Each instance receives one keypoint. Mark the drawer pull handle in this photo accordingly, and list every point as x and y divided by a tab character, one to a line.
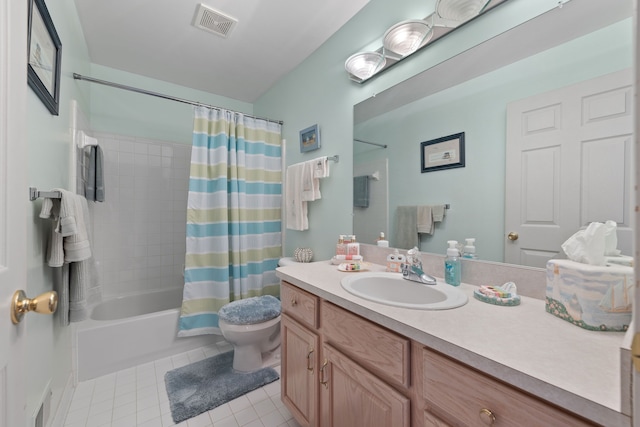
309	368
293	301
487	416
324	365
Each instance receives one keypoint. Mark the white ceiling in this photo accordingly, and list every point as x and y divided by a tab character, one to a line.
155	38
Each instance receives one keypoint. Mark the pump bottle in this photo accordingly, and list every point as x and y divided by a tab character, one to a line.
469	250
452	264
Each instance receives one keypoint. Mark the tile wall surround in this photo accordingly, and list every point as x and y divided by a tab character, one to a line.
140	228
531	282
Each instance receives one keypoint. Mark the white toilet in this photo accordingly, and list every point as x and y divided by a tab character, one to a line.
252	326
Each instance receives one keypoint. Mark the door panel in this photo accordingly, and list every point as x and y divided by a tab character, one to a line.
13	203
568	164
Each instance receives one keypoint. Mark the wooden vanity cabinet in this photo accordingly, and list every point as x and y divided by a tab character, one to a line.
341	370
300	354
462	396
335	387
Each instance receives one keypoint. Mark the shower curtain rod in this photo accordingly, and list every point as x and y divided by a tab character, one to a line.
371	143
77	76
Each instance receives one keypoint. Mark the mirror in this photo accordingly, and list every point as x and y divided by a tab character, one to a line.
470	93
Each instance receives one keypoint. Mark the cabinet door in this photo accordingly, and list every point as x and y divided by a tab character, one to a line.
351	396
300	348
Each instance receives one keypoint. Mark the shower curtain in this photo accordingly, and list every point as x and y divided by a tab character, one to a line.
234	222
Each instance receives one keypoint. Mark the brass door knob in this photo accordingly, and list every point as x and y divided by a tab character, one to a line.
45	303
513	236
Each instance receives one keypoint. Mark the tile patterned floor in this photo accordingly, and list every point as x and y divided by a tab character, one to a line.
137	397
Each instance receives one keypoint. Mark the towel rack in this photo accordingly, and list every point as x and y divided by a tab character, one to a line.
34	194
335	158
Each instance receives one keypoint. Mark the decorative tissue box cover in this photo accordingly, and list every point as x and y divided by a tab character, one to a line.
598	298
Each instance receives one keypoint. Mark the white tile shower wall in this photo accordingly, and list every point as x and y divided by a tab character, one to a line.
140	228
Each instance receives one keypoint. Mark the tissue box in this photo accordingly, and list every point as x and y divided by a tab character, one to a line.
598	298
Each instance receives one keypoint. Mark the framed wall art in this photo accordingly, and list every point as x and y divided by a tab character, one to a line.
443	153
309	139
45	55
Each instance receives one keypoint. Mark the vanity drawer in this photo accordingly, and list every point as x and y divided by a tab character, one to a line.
299	304
378	349
466	397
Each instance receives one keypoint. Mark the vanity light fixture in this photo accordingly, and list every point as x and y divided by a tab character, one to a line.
406	37
363	65
459	11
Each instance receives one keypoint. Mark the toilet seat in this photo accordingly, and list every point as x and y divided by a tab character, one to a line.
250	311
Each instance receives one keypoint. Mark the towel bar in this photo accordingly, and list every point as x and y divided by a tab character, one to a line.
34	194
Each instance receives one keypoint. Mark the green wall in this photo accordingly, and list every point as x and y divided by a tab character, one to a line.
319	91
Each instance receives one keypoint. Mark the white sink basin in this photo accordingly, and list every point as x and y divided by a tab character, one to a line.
392	289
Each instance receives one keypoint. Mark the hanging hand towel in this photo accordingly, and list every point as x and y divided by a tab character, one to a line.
296	208
361	191
321	167
94	175
310	184
427	216
406	235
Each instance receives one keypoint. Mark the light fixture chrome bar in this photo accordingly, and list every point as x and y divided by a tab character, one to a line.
77	76
371	143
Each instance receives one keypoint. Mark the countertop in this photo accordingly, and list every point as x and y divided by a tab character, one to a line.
525	346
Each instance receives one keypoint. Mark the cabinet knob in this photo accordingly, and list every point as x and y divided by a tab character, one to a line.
293	301
487	416
513	236
309	368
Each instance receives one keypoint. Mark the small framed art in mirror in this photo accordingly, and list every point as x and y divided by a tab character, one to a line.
45	54
443	153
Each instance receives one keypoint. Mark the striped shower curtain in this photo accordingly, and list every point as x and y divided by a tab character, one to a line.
234	236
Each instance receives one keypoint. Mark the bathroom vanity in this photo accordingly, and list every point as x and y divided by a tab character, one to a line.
347	361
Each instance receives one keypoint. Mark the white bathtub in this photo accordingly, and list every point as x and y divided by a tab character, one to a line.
125	332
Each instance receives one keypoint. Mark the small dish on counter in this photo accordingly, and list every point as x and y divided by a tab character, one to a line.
353	267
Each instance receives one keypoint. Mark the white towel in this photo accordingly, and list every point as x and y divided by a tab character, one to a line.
296	208
310	184
321	167
69	239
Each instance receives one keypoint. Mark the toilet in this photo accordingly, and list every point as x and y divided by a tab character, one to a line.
252	326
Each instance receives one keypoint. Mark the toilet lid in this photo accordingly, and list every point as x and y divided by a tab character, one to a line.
251	310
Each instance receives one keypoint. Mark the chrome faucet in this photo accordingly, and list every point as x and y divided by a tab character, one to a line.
415	274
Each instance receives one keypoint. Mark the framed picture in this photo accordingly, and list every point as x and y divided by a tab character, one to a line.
443	153
309	139
45	54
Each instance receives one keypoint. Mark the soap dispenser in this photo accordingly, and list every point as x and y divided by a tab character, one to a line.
452	264
469	250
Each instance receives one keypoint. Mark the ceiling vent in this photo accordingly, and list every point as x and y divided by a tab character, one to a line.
211	20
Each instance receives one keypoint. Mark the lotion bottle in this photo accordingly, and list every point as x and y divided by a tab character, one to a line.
382	241
452	264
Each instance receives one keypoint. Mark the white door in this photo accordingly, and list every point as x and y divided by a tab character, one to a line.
13	203
569	163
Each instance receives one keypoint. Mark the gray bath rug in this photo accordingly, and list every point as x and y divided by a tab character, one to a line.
209	383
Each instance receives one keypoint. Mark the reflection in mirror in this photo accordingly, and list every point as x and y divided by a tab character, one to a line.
471	93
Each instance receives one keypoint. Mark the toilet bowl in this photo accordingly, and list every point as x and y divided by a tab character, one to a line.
252	327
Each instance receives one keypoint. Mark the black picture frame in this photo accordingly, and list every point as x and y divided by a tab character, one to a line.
309	139
442	153
44	56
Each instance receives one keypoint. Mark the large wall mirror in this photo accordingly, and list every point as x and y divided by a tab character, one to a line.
471	93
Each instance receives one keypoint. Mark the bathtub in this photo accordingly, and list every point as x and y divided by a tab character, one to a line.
127	331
